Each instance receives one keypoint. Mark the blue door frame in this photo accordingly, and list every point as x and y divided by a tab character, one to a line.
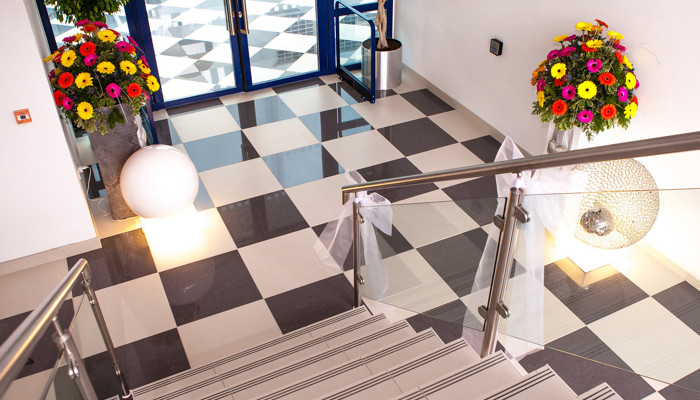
137	20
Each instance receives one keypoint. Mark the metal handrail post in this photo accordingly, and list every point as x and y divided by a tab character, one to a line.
126	392
76	368
356	221
502	270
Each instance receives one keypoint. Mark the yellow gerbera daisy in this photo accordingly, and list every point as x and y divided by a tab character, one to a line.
51	56
78	36
85	110
540	98
560	38
584	26
627	62
595	43
106	36
558	70
616	35
83	80
630	110
68	58
143	67
152	83
587	90
105	67
630	80
128	67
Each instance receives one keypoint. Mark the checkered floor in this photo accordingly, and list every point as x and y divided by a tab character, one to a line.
193	49
271	167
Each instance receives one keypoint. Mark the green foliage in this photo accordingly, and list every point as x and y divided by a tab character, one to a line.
71	11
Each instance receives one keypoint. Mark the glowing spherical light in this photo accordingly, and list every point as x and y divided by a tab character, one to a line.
159	181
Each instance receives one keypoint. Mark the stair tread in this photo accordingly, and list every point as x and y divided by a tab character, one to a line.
539	384
491	372
600	392
284	342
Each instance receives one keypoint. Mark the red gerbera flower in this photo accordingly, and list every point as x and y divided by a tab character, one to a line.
606	78
57	59
65	80
559	107
87	48
133	90
58	97
608	111
601	23
117	34
559	82
584	47
89	28
619	57
634	100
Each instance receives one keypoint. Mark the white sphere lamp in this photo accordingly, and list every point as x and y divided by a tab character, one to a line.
159	181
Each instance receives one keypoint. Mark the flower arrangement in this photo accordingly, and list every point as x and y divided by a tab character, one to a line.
97	70
588	82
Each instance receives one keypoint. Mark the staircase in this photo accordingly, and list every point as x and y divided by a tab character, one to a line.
356	355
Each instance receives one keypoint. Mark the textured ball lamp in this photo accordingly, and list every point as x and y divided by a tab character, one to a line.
159	181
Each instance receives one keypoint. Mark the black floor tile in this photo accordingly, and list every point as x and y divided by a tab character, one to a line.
303	165
45	353
582	375
484	147
261	218
311	303
347	262
336	123
391	245
313	82
122	258
144	361
198	106
416	136
595	301
690	381
477	198
456	259
347	92
395	169
259	112
208	287
426	102
585	343
163	132
447	331
683	300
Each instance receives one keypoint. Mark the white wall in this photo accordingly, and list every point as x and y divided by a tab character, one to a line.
42	206
447	42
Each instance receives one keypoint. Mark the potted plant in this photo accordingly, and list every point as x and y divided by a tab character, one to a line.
387	56
92	10
100	83
587	83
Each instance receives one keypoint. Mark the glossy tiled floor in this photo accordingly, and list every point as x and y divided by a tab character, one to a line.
271	167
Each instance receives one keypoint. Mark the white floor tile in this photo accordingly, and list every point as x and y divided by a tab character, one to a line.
104	224
243	97
271	24
306	63
30	387
387	111
136	309
362	150
651	340
240	181
452	156
171	66
328	79
646	271
459	125
162	43
198	16
292	42
319	201
221	53
16	299
261	74
203	124
280	136
211	33
86	333
203	237
312	100
176	89
275	272
228	332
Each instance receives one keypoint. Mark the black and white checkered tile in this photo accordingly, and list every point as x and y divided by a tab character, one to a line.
271	166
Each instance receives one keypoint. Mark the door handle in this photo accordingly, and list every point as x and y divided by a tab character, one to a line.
244	12
230	23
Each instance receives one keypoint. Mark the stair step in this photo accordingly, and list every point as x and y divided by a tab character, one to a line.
207	373
600	392
468	382
542	383
358	369
400	334
408	375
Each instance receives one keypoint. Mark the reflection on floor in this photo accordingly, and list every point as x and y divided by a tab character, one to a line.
271	166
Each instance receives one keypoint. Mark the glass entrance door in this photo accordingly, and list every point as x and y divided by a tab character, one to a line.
205	48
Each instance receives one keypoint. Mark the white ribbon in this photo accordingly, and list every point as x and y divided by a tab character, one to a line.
336	239
545	205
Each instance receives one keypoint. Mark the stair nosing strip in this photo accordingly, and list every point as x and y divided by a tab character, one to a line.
523	385
372	381
398	346
469	371
426	358
369	321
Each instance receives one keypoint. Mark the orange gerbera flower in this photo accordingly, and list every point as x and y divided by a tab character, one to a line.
608	111
559	107
584	47
133	90
606	78
619	57
601	23
634	100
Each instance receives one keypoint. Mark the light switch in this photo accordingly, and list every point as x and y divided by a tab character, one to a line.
22	116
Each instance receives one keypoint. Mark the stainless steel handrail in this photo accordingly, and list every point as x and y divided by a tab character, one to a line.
639	148
15	351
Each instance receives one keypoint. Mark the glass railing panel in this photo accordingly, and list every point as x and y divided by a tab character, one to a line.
430	263
353	31
634	307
